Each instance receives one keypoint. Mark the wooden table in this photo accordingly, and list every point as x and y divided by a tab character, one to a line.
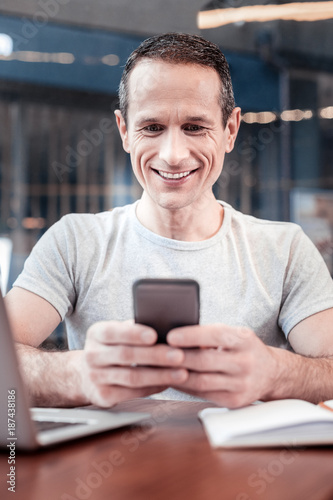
168	458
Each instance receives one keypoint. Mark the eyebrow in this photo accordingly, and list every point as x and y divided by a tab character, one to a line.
200	119
147	119
152	119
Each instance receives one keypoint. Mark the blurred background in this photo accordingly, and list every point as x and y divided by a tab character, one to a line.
60	65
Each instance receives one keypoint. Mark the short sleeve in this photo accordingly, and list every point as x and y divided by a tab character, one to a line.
49	269
308	286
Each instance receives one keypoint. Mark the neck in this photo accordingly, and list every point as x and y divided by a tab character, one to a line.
184	224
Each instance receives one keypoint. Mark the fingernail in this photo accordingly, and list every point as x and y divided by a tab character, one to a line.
174	356
178	375
148	336
175	337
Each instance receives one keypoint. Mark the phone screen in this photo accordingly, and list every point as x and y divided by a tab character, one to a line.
164	304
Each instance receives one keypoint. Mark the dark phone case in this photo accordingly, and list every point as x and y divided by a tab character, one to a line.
164	304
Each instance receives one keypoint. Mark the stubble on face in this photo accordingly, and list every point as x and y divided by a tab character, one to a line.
174	126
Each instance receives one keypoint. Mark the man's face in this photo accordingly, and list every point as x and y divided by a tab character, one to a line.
174	131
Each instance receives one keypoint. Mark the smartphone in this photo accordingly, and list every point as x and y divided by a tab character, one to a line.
164	304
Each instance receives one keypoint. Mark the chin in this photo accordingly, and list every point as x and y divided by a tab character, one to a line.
173	204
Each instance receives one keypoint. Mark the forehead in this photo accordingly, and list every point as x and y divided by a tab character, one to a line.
155	82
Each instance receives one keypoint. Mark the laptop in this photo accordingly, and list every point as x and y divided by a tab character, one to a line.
27	428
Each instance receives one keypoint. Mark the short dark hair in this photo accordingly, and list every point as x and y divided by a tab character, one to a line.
181	48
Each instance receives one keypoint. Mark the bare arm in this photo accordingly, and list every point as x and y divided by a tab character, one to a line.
237	368
309	374
112	367
51	378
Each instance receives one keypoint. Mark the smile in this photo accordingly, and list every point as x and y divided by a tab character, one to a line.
168	175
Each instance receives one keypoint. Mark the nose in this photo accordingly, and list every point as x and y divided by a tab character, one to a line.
173	147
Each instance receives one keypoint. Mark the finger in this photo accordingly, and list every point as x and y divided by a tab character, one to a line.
121	332
215	335
106	396
226	399
138	377
207	382
212	359
124	355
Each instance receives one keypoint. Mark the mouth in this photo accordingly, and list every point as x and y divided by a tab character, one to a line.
175	176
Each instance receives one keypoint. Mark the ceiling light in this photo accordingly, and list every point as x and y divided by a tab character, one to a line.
39	57
261	117
326	112
296	115
6	44
33	222
110	60
305	11
288	115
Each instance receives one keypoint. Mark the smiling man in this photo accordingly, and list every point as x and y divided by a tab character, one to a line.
175	135
267	297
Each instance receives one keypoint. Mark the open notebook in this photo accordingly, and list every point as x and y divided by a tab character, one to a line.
286	422
22	427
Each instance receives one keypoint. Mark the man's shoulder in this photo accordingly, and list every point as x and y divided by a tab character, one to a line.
104	219
252	221
263	229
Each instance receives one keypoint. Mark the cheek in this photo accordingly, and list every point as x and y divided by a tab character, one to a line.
141	159
213	158
143	153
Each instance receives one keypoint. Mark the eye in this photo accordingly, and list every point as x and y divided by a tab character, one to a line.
193	128
153	128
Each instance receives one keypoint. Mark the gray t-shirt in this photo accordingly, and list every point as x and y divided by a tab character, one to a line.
261	274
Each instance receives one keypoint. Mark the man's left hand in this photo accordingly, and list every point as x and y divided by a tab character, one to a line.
232	366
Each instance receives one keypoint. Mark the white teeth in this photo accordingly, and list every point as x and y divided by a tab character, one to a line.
168	175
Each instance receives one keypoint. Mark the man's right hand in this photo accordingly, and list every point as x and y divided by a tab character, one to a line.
103	373
121	361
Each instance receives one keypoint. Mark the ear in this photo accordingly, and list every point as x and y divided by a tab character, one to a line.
232	128
122	129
